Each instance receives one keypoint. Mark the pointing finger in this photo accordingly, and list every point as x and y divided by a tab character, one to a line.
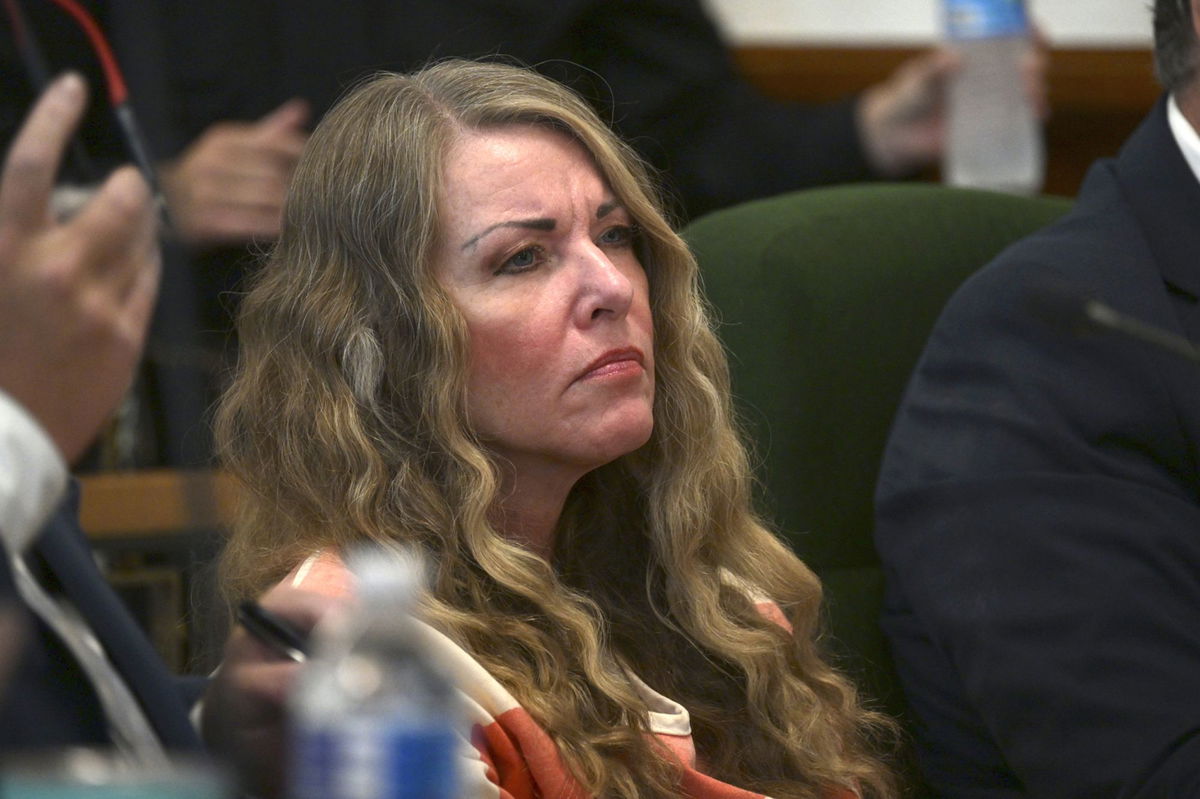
32	163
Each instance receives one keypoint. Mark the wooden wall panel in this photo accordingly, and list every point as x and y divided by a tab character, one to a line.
1097	97
155	502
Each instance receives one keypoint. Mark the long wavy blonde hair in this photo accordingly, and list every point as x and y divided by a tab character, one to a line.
346	421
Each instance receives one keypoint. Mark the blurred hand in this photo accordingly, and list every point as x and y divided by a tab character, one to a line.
75	297
244	714
902	120
228	186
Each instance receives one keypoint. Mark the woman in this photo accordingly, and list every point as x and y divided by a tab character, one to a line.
478	335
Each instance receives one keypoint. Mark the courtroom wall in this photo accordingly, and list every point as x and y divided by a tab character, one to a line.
1069	23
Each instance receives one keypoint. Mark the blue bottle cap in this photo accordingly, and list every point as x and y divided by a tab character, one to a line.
985	19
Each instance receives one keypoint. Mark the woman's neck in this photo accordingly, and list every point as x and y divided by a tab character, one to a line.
530	506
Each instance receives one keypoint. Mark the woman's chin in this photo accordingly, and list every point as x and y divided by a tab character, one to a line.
622	440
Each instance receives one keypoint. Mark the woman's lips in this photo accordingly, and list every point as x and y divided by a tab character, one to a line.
615	362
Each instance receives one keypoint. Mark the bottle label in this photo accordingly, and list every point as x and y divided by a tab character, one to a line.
985	19
373	758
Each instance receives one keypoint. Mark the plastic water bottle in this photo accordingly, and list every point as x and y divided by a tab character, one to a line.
370	717
994	138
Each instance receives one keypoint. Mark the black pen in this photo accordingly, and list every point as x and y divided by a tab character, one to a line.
273	630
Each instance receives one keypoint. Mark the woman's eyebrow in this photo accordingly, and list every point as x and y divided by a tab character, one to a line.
532	224
541	223
607	208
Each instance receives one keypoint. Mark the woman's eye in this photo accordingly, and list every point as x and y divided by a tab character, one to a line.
521	261
618	235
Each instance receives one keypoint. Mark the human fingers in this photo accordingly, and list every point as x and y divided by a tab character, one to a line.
253	189
116	231
260	687
901	119
913	92
35	154
290	115
1035	68
269	146
283	150
236	146
303	609
215	224
248	647
285	126
244	715
925	75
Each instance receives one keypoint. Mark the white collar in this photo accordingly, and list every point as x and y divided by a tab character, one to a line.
33	476
1185	136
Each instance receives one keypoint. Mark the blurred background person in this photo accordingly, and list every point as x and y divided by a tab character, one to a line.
1038	502
75	301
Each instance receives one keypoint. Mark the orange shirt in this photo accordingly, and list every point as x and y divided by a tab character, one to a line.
509	756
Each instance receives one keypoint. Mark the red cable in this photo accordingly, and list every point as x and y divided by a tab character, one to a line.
117	92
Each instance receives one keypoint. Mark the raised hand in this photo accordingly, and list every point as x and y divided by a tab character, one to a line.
228	186
76	296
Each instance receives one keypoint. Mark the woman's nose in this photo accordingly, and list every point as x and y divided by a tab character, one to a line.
604	288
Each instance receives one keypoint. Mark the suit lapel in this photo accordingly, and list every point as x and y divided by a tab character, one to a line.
1165	197
68	557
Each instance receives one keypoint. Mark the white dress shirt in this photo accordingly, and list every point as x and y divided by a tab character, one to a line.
33	476
1185	136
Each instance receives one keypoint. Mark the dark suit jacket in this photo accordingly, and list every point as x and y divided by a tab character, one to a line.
1039	509
48	701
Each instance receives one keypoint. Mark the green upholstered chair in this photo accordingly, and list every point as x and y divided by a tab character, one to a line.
824	300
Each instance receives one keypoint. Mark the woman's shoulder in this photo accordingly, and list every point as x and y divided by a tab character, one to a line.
765	605
323	572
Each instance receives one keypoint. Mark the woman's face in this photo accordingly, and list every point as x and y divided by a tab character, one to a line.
538	255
